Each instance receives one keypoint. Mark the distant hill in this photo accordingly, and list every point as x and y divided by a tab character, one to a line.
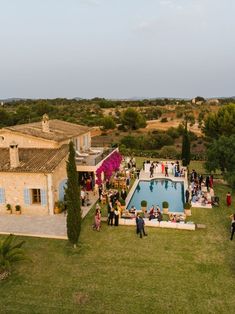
12	99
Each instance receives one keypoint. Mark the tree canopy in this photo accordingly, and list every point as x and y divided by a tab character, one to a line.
221	155
108	123
186	148
220	130
72	194
132	119
221	123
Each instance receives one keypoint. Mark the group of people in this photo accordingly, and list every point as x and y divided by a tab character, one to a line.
113	197
197	194
166	168
155	214
176	218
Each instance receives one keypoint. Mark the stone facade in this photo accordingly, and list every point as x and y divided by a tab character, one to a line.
27	141
15	185
81	142
37	191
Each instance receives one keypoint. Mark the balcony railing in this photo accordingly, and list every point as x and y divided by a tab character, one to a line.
94	159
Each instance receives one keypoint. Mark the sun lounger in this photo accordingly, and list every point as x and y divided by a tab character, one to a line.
81	154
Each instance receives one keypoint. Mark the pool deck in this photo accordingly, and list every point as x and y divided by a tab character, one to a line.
163	224
145	176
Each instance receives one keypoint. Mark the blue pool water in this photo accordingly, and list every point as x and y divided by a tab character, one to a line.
156	191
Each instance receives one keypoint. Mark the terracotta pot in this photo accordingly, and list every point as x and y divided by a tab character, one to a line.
188	212
144	209
56	210
18	212
165	210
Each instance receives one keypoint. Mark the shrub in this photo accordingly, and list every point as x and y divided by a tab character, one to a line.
173	132
130	141
8	206
143	203
122	202
18	208
169	152
159	140
165	204
108	123
61	206
163	120
187	206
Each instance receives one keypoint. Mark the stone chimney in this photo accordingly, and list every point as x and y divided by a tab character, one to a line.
14	155
45	123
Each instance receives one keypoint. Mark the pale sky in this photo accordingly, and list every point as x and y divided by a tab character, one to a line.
117	48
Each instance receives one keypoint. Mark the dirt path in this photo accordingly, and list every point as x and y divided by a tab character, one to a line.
155	125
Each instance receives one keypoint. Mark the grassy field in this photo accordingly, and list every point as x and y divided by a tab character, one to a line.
114	271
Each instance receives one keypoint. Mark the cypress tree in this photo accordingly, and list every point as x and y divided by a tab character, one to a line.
186	148
72	194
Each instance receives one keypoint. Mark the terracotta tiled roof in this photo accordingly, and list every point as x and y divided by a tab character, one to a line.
34	159
59	130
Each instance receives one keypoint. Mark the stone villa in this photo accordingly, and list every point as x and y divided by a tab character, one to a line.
33	163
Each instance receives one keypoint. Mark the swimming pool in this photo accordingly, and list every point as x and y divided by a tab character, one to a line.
157	191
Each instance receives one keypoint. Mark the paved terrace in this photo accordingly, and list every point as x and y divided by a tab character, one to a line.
95	156
39	226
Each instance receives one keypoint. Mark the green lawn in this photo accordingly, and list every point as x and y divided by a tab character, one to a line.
113	271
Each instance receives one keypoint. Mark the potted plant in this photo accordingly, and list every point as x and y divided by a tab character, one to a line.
165	207
9	208
144	206
57	207
18	209
187	209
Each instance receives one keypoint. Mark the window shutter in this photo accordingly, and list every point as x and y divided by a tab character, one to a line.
2	196
43	197
26	197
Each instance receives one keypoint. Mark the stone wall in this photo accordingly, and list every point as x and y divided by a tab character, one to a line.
14	185
25	141
58	176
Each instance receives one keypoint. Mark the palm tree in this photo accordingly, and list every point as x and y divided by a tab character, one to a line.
9	254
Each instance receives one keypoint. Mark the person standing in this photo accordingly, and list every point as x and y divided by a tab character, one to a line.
128	183
111	216
229	199
100	190
116	217
97	219
200	180
83	195
211	181
151	170
123	194
136	221
232	226
137	173
166	170
159	214
207	183
141	227
187	196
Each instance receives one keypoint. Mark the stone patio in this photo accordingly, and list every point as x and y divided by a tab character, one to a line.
39	226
